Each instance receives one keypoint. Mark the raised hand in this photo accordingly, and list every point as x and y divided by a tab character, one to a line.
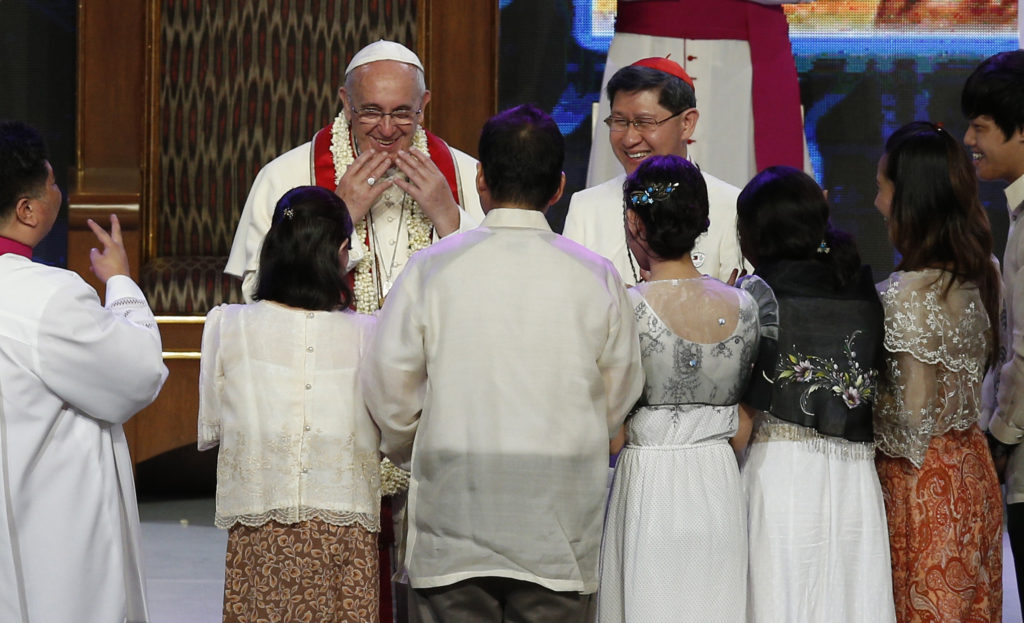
428	187
113	259
361	185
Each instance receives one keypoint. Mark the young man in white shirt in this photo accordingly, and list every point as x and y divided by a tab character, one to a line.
71	372
993	102
506	359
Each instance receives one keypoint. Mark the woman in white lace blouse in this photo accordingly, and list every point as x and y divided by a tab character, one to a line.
941	492
298	480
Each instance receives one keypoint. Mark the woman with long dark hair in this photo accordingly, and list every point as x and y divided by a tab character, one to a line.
818	543
298	480
941	305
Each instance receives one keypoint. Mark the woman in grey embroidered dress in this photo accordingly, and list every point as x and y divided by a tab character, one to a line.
819	548
674	547
298	477
942	495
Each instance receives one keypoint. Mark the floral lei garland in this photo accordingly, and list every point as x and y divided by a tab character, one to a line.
419	226
393	479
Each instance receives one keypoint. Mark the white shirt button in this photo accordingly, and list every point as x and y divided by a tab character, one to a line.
308	386
309	349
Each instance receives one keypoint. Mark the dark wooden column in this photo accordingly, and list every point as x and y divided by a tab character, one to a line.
458	42
111	126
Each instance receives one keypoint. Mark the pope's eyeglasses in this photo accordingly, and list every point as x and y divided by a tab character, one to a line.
373	116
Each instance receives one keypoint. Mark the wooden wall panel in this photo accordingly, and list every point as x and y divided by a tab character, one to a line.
458	44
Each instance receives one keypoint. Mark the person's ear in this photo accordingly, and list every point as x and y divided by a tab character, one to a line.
481	183
635	226
689	123
558	193
25	214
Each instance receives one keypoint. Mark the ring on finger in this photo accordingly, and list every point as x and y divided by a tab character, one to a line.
371	180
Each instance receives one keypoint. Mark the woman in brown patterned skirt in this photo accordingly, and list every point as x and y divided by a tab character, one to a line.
941	493
298	480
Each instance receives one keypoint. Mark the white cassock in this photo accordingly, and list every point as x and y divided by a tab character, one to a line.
595	220
71	372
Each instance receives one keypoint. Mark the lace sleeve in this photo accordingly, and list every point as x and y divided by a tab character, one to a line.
934	362
211	382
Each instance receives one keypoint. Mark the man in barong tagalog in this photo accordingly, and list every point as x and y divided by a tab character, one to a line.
403	186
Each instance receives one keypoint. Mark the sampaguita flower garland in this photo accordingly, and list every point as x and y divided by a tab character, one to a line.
368	291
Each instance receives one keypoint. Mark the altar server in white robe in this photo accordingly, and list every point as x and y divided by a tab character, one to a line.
71	372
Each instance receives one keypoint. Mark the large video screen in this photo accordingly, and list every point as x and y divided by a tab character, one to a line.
866	67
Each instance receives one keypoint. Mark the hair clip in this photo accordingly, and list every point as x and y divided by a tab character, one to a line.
288	213
824	248
657	191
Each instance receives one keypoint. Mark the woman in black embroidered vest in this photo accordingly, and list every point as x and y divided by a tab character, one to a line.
942	495
819	549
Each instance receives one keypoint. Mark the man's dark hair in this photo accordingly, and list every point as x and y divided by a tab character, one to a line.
996	89
22	164
673	94
521	152
299	263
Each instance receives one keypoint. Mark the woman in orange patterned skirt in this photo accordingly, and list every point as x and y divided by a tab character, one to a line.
298	477
942	496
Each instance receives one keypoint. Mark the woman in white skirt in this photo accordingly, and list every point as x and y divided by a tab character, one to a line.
819	548
674	546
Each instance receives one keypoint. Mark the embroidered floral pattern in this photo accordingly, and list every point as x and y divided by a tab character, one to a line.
936	343
852	383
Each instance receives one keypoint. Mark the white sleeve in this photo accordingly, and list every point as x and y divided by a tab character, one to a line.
104	361
275	179
394	373
619	362
573	227
211	382
472	214
466	222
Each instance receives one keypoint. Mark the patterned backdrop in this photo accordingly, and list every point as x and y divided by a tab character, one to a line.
242	82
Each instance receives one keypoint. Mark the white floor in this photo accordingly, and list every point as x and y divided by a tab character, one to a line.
184	556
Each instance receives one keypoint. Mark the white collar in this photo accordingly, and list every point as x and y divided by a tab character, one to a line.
515	217
1015	195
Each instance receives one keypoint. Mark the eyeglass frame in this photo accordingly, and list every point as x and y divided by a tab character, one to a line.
655	124
359	112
